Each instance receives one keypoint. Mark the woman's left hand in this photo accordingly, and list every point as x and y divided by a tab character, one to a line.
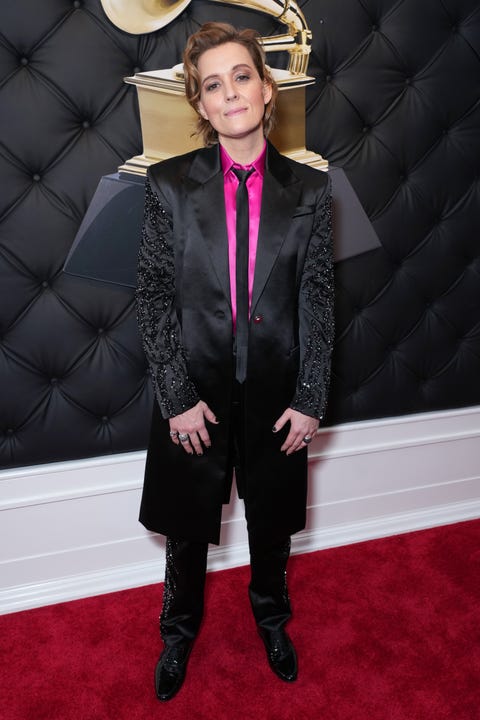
302	430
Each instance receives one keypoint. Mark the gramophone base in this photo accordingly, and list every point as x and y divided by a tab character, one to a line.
139	164
168	121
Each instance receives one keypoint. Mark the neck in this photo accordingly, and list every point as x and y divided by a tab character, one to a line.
243	150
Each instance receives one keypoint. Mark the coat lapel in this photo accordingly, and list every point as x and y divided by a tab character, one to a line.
281	190
205	188
204	185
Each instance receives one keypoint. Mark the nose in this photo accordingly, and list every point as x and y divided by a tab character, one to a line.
230	91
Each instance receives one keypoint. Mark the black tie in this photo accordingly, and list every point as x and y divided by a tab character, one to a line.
241	335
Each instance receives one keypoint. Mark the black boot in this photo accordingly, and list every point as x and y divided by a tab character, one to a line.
185	568
281	654
171	669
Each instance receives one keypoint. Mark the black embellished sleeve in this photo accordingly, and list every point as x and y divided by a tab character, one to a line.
157	318
316	320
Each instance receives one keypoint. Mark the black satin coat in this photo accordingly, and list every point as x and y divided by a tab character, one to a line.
184	312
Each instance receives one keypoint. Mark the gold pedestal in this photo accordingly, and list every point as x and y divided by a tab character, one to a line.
168	121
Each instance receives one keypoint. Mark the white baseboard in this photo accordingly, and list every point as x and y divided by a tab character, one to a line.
69	530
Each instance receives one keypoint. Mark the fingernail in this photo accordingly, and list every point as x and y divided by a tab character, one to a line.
274	429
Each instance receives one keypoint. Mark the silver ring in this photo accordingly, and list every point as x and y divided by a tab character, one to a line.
307	439
183	437
173	433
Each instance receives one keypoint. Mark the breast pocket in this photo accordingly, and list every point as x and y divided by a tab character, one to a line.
302	210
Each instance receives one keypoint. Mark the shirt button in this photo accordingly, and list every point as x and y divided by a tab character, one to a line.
257	318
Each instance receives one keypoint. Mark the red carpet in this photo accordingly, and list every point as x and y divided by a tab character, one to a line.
385	630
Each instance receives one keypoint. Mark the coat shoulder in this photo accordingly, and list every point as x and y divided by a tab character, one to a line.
288	170
318	179
171	169
170	172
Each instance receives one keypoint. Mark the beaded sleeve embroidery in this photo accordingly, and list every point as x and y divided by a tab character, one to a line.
157	319
316	317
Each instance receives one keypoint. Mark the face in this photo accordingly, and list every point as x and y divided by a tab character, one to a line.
232	95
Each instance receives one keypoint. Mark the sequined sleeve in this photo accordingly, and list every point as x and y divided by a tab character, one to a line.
316	316
157	318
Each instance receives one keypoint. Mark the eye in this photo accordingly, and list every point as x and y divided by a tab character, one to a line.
243	77
212	86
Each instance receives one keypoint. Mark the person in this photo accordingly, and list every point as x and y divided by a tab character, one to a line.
240	363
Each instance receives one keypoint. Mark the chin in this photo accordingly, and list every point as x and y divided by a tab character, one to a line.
243	129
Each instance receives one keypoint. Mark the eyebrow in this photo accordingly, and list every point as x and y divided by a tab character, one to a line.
233	69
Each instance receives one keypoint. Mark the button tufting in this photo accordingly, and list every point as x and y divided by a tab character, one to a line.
400	278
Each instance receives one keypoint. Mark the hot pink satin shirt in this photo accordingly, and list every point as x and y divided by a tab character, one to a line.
254	187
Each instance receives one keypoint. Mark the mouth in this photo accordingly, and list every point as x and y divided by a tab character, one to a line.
235	111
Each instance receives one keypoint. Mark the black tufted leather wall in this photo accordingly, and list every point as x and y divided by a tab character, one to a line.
397	105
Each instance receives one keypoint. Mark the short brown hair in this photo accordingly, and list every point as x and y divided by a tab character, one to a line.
211	35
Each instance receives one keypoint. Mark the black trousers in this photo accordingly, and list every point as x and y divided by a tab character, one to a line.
183	597
186	565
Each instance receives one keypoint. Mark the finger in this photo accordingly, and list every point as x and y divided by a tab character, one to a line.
184	439
294	441
187	447
295	447
205	437
280	422
209	415
196	444
291	440
301	442
174	436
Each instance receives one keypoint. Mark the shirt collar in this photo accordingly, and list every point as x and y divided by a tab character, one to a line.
258	164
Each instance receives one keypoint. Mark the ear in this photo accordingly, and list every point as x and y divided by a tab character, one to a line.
201	110
267	91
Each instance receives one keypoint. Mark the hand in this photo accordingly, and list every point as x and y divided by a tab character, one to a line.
192	423
301	426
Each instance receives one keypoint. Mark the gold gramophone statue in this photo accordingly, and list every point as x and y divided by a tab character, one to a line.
106	245
168	121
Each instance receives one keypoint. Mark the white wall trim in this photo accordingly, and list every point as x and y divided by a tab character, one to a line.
69	530
221	558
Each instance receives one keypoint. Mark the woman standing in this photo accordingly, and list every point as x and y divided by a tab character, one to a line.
235	307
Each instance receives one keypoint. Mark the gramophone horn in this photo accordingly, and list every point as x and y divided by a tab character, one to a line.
143	16
146	16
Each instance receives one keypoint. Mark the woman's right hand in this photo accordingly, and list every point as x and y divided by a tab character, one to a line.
189	430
